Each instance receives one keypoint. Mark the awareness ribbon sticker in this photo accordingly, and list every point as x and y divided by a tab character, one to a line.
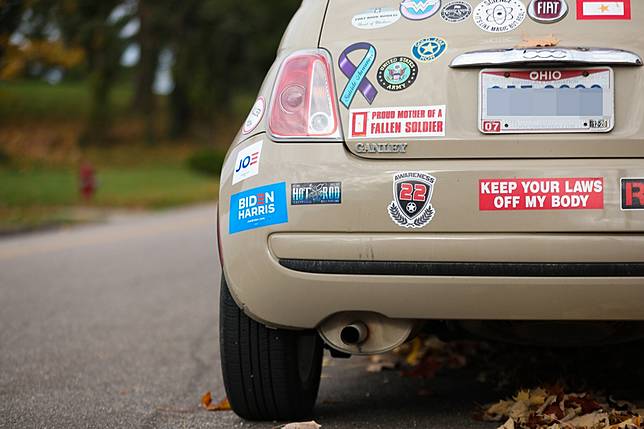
357	74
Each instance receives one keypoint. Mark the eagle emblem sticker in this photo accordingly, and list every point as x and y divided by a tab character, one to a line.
411	207
397	73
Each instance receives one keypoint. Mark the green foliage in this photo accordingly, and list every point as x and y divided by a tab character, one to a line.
4	158
207	161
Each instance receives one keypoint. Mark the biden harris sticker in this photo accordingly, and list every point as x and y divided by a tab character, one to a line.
258	207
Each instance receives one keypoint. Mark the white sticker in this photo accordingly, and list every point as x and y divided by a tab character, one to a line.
378	17
499	16
247	163
394	122
255	116
456	11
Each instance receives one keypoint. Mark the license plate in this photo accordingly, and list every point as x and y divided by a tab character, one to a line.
546	101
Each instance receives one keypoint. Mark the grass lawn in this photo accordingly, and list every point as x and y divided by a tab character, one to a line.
50	196
32	99
40	126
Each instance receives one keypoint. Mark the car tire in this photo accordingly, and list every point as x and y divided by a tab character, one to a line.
269	374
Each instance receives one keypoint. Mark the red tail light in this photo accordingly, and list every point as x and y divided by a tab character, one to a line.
303	106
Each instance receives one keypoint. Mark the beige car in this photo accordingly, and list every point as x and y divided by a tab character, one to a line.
478	161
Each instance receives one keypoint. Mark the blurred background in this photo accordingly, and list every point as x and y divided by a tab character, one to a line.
111	104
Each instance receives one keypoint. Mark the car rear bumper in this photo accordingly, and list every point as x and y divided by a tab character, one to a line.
465	264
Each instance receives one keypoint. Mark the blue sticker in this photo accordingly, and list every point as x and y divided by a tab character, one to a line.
429	49
258	207
316	193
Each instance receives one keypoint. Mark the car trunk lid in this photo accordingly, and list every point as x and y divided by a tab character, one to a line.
443	102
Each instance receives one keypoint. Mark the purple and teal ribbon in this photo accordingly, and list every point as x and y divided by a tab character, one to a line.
357	74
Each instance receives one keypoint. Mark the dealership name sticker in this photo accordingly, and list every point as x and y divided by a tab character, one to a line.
429	49
257	208
397	73
255	116
456	11
601	9
247	162
397	122
419	9
378	17
316	193
411	206
499	16
541	194
547	11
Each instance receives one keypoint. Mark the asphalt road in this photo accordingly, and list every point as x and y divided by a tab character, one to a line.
115	326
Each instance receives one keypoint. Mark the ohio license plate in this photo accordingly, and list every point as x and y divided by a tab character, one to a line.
546	100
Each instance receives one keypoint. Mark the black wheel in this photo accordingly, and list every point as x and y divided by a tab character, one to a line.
269	374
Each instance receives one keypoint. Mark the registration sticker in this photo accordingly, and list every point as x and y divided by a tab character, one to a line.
546	100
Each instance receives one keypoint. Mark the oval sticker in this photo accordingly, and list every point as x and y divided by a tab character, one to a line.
547	11
378	17
499	16
456	11
255	116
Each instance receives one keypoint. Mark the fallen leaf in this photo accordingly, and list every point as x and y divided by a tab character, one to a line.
206	402
302	425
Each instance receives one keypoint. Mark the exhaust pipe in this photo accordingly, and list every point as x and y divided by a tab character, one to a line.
354	334
363	332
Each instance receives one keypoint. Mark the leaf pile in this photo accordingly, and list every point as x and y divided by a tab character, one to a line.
425	356
552	408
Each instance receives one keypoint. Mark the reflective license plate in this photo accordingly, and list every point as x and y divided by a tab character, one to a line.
546	100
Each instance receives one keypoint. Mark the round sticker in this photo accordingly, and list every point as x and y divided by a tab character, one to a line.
547	11
499	16
419	9
378	17
255	116
456	11
429	49
397	73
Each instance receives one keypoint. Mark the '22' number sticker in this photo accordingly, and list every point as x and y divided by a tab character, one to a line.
409	192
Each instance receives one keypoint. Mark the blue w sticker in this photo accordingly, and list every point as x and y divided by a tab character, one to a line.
258	207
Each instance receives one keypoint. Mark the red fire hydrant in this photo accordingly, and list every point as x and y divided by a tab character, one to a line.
87	181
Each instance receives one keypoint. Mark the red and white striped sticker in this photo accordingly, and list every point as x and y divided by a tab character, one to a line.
602	9
541	194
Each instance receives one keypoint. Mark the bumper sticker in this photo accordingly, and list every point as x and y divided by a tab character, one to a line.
632	193
247	162
397	122
411	206
357	74
602	9
499	16
541	194
257	208
377	17
316	193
